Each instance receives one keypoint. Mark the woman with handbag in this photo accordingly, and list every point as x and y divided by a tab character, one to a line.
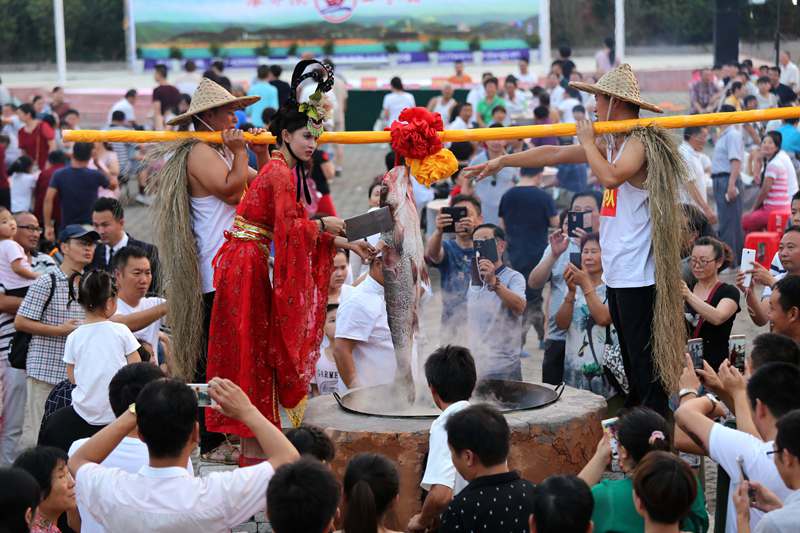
711	305
585	316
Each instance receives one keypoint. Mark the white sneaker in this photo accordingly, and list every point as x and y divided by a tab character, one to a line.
144	199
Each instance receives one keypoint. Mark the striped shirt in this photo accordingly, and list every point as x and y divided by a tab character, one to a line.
781	170
40	263
45	354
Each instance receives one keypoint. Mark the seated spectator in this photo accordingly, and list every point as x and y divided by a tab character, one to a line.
454	258
778	183
130	455
781	515
551	269
711	306
94	352
363	346
518	102
584	314
460	117
765	98
541	115
450	372
772	392
500	116
19	499
108	219
302	497
494	308
162	496
326	377
663	491
488	103
49	467
371	488
640	431
313	441
496	499
562	504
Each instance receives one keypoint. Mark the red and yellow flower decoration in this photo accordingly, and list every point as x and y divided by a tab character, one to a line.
415	136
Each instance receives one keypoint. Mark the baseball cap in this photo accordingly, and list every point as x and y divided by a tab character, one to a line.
76	231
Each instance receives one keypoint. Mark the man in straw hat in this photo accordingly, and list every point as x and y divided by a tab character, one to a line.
197	190
639	232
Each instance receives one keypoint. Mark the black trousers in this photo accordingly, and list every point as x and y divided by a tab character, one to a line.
632	313
208	440
64	427
553	362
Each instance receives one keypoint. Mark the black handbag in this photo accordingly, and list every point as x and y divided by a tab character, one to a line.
20	342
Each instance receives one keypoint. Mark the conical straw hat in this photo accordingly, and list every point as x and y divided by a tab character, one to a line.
210	95
619	83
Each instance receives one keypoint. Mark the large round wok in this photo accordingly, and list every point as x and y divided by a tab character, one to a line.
507	396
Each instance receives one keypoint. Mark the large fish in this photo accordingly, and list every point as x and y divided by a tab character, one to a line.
403	271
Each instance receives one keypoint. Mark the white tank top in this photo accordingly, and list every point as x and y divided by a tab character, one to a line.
210	218
444	109
626	235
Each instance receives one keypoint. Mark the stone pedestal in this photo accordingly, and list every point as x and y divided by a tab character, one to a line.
557	439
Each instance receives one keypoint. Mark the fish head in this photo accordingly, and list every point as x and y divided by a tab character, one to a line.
395	188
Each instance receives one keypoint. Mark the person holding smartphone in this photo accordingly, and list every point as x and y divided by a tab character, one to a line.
495	304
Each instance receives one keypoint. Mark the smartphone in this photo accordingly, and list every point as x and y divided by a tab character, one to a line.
610	427
748	258
456	213
751	492
737	347
578	219
694	347
487	249
575	259
203	398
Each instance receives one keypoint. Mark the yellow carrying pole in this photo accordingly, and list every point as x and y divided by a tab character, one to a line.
478	134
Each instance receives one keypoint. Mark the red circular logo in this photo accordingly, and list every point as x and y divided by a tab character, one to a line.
336	11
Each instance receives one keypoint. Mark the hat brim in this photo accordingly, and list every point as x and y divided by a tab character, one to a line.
88	235
240	102
594	89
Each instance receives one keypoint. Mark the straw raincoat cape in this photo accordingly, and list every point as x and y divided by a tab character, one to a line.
666	172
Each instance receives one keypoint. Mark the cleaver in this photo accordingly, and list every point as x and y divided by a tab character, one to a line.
371	223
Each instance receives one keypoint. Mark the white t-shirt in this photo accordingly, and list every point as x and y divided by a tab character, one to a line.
98	350
326	377
170	500
556	95
129	456
125	106
566	106
458	124
696	174
439	469
394	103
150	333
362	318
725	446
10	251
790	75
22	185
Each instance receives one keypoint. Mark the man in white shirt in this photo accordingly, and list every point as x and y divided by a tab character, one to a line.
554	88
162	496
126	106
396	101
571	99
451	375
131	453
526	78
363	349
790	75
694	138
133	275
771	392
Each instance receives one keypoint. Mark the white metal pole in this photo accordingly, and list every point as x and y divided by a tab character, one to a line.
61	47
130	35
544	33
619	29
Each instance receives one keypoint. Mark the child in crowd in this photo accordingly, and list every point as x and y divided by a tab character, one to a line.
96	350
640	431
371	487
303	496
311	440
451	376
496	498
15	268
326	379
22	181
663	491
562	504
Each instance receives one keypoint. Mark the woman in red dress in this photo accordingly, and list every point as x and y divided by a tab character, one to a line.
265	335
36	138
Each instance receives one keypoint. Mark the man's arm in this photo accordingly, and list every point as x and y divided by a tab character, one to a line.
512	300
34	327
141	319
343	355
437	500
693	418
611	175
213	175
736	169
9	304
539	156
102	443
49	198
434	251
